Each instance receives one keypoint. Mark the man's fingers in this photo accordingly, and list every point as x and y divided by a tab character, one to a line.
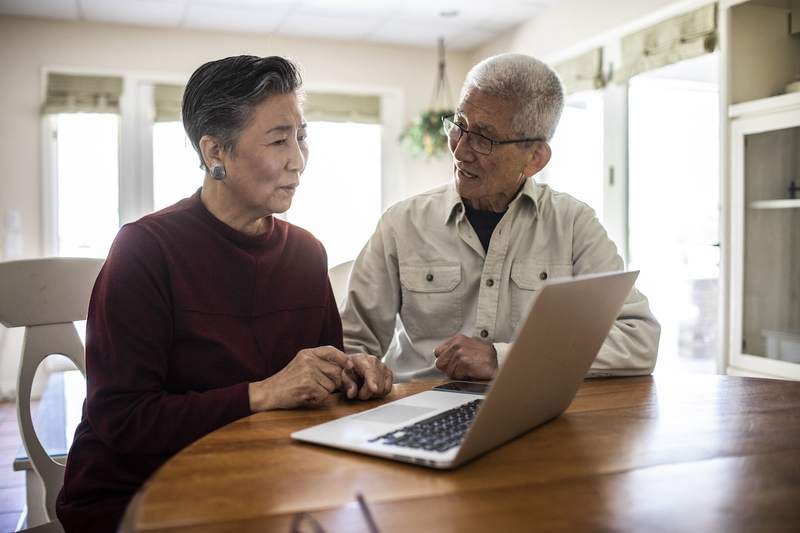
453	362
444	359
387	380
443	348
458	371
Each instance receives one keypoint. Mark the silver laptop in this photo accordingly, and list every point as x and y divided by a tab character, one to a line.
564	329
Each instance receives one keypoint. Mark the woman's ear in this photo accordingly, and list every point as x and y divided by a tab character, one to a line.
212	152
540	156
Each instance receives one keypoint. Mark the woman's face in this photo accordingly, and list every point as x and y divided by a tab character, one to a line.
263	170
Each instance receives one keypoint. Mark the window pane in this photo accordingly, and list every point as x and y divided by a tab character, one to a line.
339	198
176	172
674	207
576	166
87	176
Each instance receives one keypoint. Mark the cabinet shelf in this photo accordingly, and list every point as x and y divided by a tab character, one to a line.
765	105
776	204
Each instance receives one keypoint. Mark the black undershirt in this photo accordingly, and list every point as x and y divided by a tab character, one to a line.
483	222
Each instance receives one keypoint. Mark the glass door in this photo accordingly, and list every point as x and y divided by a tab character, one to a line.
766	269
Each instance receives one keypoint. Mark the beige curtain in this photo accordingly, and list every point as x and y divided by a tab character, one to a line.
795	17
682	37
337	107
582	73
167	102
331	107
82	94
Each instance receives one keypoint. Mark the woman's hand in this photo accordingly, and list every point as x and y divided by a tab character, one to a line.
307	380
374	378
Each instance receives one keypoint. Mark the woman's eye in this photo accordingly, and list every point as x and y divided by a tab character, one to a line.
279	142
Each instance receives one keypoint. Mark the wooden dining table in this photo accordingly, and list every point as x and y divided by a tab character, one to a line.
691	453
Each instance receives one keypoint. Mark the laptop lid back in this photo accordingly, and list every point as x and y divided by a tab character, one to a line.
554	349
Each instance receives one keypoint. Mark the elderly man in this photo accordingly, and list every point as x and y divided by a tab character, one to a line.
461	264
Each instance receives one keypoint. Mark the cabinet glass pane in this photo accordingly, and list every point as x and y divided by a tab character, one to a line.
771	313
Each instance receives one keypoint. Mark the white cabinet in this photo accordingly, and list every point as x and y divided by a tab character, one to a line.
765	243
761	188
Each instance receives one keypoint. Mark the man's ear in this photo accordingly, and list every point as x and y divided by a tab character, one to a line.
212	151
540	156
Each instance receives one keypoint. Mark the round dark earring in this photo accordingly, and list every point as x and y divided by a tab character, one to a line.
218	172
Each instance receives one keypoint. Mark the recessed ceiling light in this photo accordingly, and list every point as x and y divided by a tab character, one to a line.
448	14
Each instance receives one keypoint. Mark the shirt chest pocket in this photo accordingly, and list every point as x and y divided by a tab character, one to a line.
431	306
527	279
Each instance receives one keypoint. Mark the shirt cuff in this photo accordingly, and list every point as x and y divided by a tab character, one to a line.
502	349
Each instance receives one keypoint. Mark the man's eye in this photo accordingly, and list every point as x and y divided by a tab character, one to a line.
279	142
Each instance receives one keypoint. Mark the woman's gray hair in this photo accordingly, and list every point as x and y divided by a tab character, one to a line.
220	96
534	86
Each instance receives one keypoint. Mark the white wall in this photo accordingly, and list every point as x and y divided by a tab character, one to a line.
28	46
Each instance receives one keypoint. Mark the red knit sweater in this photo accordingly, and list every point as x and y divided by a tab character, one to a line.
184	314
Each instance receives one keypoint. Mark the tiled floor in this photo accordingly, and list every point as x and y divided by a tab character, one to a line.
12	484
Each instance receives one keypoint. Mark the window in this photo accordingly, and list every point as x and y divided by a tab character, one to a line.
86	174
674	206
176	165
339	195
576	166
138	159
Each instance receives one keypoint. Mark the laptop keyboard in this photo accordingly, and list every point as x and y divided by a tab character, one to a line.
438	433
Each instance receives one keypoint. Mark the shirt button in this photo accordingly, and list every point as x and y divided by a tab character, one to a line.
489	282
429	277
484	333
543	276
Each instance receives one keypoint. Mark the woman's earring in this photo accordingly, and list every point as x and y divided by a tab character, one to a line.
218	172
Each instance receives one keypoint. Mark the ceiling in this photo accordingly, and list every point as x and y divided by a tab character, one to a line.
465	24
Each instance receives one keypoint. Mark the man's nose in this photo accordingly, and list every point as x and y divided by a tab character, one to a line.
463	150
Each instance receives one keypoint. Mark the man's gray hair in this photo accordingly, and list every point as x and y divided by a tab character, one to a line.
534	87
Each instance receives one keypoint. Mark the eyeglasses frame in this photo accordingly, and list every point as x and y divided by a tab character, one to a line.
492	142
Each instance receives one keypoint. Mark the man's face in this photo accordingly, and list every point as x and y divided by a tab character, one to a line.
488	182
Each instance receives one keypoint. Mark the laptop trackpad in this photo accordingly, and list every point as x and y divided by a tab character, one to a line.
394	413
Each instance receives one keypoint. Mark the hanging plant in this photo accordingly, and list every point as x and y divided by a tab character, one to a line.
425	135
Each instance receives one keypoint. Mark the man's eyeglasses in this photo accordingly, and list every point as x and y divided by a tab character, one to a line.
480	143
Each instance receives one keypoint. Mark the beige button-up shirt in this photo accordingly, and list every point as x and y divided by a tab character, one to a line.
425	263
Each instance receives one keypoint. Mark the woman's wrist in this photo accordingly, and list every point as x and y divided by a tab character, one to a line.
259	396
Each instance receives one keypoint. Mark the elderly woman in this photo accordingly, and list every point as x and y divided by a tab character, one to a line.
211	309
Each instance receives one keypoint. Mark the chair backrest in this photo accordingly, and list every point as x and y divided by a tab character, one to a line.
339	275
45	296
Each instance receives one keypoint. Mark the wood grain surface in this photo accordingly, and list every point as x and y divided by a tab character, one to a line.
678	453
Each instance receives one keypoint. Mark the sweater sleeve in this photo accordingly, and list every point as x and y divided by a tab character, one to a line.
332	327
129	332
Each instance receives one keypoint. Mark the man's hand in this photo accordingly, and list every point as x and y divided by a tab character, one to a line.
374	377
307	380
462	357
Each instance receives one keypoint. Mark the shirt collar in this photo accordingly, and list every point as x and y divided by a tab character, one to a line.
454	205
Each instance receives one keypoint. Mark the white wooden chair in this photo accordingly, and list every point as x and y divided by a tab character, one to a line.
339	276
45	296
